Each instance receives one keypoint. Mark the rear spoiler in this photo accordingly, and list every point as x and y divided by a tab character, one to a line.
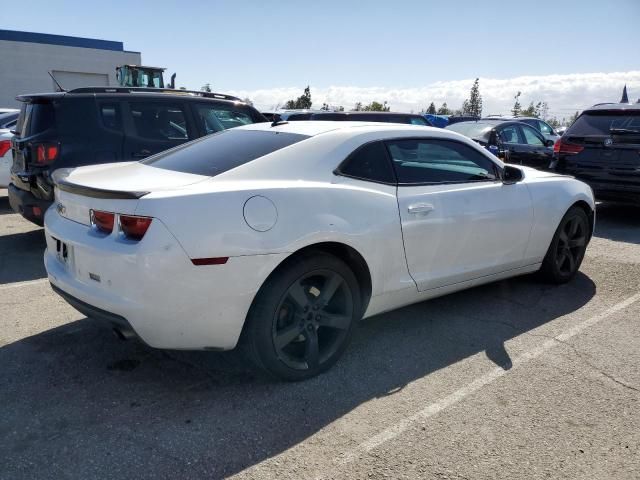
60	182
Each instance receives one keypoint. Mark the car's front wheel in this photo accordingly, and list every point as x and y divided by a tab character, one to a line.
303	317
567	248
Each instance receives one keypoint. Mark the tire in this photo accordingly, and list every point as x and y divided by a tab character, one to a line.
303	317
566	252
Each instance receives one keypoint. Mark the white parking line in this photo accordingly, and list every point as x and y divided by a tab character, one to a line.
24	284
459	395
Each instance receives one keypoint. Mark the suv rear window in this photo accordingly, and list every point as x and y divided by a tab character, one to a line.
222	151
597	123
34	118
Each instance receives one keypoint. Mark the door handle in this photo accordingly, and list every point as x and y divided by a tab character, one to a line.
420	208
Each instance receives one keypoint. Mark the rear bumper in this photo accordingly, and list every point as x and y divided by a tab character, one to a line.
30	207
153	286
116	321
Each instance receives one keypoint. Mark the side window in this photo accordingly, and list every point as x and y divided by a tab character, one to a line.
369	162
439	161
159	121
544	128
215	118
417	121
111	115
532	137
509	134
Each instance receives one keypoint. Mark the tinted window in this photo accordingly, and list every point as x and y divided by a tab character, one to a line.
438	161
159	121
531	136
35	118
602	123
369	162
222	151
418	121
329	116
215	118
509	134
545	128
471	129
298	116
111	115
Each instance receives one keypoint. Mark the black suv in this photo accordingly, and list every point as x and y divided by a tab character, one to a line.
602	148
90	125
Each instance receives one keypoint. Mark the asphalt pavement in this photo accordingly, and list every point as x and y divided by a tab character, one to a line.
514	380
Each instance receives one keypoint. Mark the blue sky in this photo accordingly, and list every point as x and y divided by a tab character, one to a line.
256	45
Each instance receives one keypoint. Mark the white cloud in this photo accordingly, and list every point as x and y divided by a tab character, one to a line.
564	93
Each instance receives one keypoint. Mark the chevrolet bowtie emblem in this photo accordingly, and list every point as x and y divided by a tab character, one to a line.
61	209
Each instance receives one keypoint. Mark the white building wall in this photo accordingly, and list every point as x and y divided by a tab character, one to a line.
25	66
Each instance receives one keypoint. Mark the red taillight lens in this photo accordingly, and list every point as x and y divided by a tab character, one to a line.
46	153
102	221
568	148
5	145
134	227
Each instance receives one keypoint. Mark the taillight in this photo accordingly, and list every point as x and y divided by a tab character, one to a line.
5	145
134	227
102	221
46	153
567	148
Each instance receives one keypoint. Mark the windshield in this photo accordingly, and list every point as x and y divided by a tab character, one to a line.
471	129
605	123
223	151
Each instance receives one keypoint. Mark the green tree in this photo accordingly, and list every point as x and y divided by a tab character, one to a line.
473	105
303	101
340	109
444	110
248	101
376	107
530	111
432	108
554	122
206	88
517	108
357	107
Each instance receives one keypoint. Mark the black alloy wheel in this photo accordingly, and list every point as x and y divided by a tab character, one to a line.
303	317
567	249
571	244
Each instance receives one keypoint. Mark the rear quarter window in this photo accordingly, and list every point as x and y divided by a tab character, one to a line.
222	151
597	123
35	118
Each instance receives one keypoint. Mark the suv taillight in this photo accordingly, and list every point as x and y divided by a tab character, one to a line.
5	145
134	227
567	148
46	153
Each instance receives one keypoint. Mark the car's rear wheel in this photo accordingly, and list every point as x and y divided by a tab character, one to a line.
303	317
567	248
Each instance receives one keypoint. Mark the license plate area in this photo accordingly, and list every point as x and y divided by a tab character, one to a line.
63	251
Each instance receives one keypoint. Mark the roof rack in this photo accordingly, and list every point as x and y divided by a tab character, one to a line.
198	93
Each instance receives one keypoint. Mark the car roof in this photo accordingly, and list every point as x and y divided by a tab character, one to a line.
132	92
317	127
490	122
363	112
614	107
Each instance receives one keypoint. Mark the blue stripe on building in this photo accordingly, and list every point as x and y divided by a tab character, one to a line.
49	39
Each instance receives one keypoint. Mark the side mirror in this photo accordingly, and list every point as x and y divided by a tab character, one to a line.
511	175
549	143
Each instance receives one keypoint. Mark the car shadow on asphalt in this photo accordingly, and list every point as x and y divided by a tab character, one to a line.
21	256
618	222
5	208
120	409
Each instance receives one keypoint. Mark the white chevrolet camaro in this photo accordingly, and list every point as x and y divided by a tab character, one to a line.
280	237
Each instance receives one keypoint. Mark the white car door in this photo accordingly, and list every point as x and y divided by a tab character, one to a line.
459	221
